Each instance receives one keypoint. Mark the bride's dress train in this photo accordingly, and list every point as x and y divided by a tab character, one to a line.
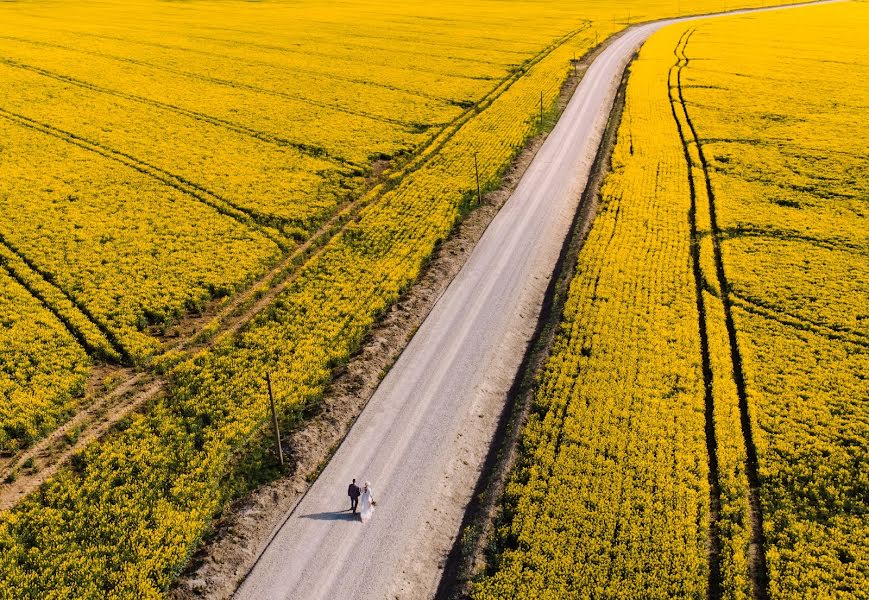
366	504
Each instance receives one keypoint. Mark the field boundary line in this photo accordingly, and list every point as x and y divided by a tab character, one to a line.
758	570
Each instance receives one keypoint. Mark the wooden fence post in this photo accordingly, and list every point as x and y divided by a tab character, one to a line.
275	419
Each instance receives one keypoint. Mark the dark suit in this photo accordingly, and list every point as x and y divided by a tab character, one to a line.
353	491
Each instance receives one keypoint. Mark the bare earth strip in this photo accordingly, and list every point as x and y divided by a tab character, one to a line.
423	435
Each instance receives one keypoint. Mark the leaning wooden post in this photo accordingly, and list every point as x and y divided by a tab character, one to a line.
275	419
477	174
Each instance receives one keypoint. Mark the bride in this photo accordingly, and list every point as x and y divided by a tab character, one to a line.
367	502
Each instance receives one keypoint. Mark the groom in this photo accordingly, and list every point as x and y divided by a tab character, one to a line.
353	491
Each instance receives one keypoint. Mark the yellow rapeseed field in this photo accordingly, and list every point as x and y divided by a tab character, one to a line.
157	156
702	419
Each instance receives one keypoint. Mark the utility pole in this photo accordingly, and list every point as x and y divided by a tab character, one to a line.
275	419
477	174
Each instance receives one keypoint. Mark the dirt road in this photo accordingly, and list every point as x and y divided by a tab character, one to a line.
424	434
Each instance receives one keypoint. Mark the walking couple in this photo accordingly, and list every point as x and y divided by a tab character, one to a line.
368	502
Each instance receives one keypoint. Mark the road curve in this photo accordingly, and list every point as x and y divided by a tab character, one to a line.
412	439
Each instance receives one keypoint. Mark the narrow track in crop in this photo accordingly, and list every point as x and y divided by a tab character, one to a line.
758	571
53	451
260	135
222	82
787	235
344	44
135	389
246	216
773	313
714	584
252	61
333	56
102	343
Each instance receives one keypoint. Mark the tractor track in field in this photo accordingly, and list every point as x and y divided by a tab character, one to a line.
133	389
218	81
757	565
257	134
714	582
75	305
263	63
361	47
245	216
53	451
232	42
773	313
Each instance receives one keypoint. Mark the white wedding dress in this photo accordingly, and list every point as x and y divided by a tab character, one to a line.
366	504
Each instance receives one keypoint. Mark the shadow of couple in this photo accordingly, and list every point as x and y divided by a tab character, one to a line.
338	515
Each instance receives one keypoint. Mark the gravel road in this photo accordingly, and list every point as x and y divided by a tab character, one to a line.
423	436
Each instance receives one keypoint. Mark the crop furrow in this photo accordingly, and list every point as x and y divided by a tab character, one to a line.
757	559
788	235
714	585
263	136
253	61
362	47
250	218
94	336
831	332
226	82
